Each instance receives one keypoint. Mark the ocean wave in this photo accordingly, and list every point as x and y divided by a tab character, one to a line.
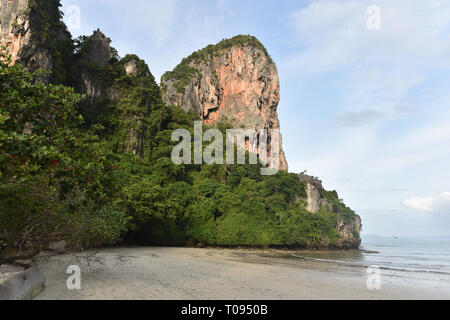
367	265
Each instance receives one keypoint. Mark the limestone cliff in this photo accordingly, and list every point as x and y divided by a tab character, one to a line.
234	81
348	224
120	93
18	36
94	54
35	36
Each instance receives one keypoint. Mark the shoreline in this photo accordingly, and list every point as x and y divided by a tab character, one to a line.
167	273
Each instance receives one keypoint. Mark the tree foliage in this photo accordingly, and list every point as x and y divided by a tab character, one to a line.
99	173
55	179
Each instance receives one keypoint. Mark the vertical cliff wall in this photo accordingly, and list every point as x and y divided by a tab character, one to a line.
318	199
18	36
35	36
234	81
94	55
121	94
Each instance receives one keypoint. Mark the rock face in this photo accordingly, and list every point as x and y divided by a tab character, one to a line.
234	81
348	231
313	190
17	33
131	68
348	228
100	68
96	52
99	50
33	32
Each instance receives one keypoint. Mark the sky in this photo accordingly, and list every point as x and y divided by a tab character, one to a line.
364	89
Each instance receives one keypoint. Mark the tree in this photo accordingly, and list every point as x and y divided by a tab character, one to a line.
55	179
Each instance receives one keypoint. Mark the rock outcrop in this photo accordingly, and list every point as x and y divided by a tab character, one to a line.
348	225
36	37
350	232
234	81
107	80
18	34
314	199
98	49
94	54
32	32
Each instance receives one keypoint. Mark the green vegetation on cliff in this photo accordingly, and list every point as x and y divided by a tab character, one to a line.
55	178
184	72
220	204
100	172
50	32
128	111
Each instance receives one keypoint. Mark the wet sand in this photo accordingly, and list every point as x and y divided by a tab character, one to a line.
220	274
8	270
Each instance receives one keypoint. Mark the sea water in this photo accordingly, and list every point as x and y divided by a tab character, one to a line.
428	255
424	262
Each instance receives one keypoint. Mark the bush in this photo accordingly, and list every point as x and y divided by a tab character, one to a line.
55	179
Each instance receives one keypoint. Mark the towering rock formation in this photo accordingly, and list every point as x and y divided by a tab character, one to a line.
234	81
19	34
93	55
98	50
35	36
120	93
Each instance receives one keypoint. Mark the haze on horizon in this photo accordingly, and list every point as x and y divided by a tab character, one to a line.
364	109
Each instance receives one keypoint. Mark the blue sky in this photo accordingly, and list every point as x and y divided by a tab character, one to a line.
367	110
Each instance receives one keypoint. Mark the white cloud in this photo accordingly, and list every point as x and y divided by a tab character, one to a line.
375	68
138	21
334	34
420	204
371	116
446	195
375	73
440	204
387	123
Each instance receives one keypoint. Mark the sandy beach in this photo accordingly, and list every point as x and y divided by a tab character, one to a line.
189	273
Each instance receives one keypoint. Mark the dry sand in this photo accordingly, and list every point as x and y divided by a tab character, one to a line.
188	273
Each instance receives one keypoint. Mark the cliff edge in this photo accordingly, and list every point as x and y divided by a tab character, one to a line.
36	37
234	81
320	200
